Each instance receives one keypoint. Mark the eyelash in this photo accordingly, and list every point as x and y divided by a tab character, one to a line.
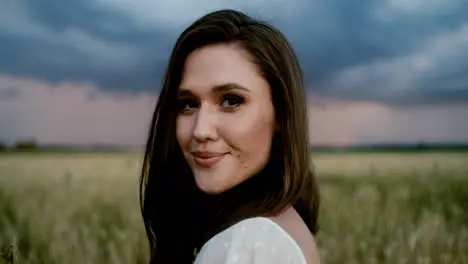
235	101
182	103
238	100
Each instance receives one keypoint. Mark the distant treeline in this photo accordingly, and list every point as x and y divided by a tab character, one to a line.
33	146
27	145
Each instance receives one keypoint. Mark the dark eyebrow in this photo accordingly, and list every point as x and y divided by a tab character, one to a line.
217	88
229	86
185	92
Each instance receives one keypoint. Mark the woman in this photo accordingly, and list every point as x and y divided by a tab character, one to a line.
226	171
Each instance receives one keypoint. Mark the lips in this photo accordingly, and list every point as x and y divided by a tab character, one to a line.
207	159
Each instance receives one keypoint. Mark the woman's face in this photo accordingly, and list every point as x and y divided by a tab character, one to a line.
226	117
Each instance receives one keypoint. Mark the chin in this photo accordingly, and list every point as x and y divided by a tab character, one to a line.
210	187
211	190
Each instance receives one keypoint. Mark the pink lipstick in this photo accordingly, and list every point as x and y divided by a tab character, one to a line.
207	159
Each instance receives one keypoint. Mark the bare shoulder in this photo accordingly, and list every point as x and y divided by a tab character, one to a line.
292	223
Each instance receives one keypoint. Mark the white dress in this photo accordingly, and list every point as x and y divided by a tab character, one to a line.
257	240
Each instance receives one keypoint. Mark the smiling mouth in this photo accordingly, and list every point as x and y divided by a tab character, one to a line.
207	159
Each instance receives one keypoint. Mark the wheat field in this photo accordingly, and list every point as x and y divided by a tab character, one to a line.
376	208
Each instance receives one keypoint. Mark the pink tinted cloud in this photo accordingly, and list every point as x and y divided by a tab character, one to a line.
73	113
79	113
343	123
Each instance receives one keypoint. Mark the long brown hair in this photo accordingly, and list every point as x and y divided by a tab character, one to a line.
177	215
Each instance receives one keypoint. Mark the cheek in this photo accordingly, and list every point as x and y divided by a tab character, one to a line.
183	131
254	146
251	140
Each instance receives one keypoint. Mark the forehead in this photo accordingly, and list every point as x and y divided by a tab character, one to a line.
217	65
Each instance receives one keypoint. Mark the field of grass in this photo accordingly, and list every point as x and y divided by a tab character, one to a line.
376	208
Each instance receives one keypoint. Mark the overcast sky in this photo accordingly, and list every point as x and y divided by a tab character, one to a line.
82	71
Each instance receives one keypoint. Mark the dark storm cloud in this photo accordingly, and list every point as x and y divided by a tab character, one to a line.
339	34
79	43
395	52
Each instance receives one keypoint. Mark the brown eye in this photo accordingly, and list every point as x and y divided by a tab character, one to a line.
184	105
230	101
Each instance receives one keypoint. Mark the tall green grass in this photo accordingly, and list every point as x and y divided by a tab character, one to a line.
376	208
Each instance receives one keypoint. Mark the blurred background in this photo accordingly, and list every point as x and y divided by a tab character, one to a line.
387	85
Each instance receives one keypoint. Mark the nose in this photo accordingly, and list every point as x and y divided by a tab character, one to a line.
205	125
